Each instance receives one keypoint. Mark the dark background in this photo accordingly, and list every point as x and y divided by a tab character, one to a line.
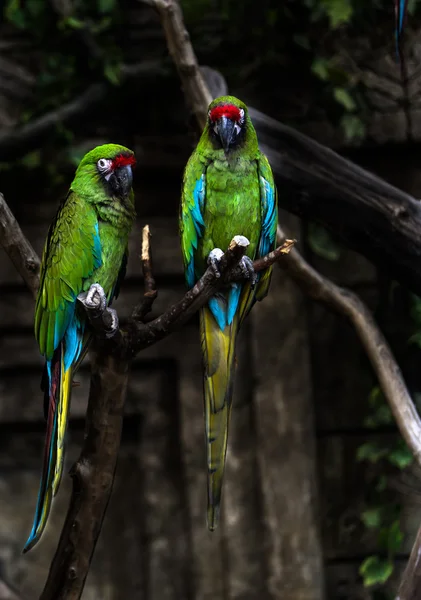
319	496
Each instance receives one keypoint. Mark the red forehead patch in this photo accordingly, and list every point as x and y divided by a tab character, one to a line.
226	110
122	161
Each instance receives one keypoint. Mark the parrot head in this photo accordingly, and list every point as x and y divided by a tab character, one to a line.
227	121
111	164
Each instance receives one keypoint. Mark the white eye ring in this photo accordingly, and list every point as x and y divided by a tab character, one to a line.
103	164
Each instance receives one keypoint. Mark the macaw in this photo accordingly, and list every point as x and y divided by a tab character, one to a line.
228	190
400	12
87	244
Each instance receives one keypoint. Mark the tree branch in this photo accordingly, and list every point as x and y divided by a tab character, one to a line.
364	211
18	248
151	293
378	351
93	476
27	137
182	53
142	335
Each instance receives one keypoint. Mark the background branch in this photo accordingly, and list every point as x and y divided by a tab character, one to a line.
378	351
26	138
18	248
182	53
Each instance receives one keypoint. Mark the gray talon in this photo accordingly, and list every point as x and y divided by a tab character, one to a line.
114	325
96	298
247	268
213	259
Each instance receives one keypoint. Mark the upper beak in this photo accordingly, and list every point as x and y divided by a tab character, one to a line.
122	181
226	132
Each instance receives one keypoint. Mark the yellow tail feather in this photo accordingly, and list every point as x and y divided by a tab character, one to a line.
218	349
63	412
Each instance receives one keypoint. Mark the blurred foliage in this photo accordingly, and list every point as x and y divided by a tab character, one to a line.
382	513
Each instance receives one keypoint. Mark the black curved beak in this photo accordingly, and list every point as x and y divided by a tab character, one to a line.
121	181
226	131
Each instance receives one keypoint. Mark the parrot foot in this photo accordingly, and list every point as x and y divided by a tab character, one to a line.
94	299
213	259
246	265
113	326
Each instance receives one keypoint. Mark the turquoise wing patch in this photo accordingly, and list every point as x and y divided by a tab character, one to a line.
192	227
269	216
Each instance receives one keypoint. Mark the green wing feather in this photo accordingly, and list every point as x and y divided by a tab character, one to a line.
190	219
269	212
72	253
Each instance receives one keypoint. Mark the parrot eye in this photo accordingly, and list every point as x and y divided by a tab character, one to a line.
103	165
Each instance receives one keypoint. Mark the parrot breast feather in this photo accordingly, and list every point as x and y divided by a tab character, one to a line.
191	215
72	253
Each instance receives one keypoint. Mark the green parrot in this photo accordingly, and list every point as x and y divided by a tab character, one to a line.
85	252
228	190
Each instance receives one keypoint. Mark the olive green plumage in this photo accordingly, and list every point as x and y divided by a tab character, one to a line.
228	190
86	244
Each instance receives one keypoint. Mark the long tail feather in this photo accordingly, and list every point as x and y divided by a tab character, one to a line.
62	417
218	347
50	453
400	11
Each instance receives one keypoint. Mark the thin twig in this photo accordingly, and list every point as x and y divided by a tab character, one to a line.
18	248
151	293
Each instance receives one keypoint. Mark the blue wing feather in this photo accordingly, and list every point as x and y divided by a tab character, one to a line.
195	212
269	216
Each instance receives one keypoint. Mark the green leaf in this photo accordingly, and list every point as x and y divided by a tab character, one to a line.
400	456
342	96
372	517
415	339
320	68
394	537
32	159
14	14
322	243
353	127
106	6
35	7
381	413
371	452
375	570
338	11
112	73
381	484
73	23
